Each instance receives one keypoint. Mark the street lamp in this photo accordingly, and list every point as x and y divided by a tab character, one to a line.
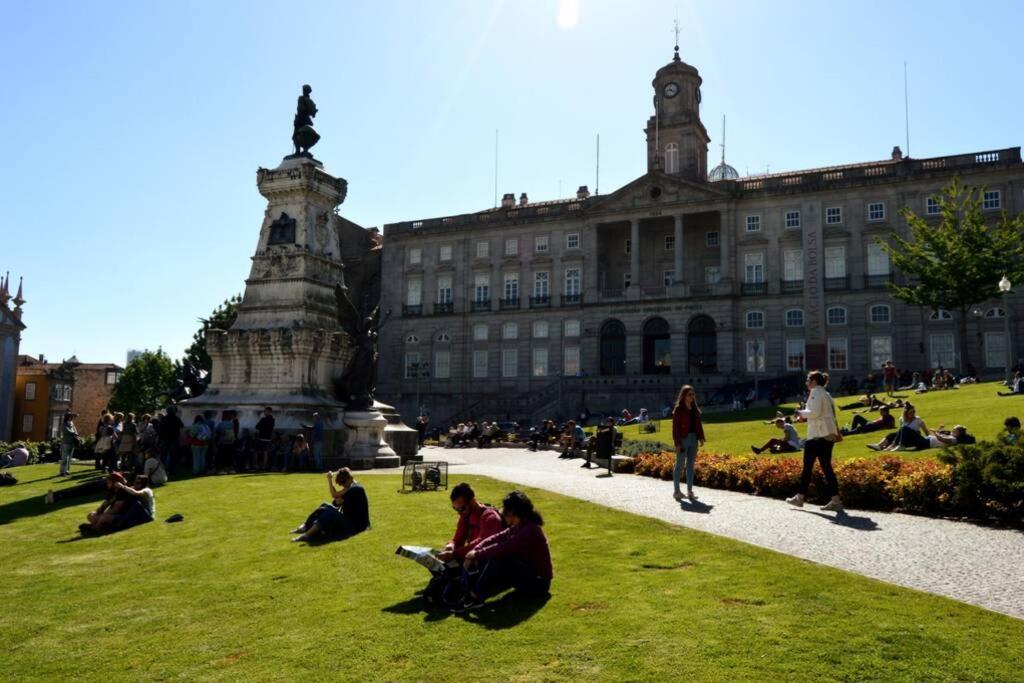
420	369
1006	289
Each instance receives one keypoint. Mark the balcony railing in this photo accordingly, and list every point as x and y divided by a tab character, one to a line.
833	284
540	302
653	292
481	305
792	286
444	308
509	303
408	309
754	288
877	281
572	299
611	293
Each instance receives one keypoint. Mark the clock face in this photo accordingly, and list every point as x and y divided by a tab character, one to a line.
696	93
671	89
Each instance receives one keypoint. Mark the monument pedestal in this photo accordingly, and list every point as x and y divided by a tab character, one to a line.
365	447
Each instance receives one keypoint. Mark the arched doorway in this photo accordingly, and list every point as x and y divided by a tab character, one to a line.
613	348
657	347
702	345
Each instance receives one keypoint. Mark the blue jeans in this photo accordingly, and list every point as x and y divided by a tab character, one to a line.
199	459
687	451
67	451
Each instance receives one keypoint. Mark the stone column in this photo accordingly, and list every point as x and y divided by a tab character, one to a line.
634	254
724	228
679	248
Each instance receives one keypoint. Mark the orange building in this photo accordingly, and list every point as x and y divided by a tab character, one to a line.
43	394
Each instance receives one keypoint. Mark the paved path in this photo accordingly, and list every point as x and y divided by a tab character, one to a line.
973	564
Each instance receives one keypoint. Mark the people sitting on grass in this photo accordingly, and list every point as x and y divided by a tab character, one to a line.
942	437
16	457
789	443
476	522
865	401
861	425
1016	385
517	557
153	468
1011	431
346	515
124	507
911	435
626	417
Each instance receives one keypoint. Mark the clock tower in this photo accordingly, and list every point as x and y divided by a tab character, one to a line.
677	142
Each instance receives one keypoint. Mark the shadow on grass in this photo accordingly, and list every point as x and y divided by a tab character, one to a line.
35	506
510	610
849	521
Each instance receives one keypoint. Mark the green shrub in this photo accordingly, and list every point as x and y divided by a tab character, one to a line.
631	448
988	478
35	448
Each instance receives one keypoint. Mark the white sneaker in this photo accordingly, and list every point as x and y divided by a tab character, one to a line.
48	499
797	500
832	506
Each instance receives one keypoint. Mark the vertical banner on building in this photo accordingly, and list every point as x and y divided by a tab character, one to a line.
814	294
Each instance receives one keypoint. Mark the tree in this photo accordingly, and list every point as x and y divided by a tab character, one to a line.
145	384
957	262
222	318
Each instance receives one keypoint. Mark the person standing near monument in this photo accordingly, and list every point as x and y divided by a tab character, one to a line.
264	438
169	432
316	440
69	439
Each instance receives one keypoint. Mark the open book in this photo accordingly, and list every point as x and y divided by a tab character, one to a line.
424	556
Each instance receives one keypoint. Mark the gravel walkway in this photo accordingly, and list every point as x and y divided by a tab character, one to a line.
976	565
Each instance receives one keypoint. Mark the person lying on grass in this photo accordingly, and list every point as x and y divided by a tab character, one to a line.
124	508
517	557
346	515
1016	386
861	425
789	443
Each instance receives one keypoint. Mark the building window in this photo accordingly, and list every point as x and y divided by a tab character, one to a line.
880	313
572	240
509	331
511	287
442	364
627	279
943	350
754	223
833	215
755	320
444	289
672	158
572	282
30	391
931	206
27	423
878	259
628	246
991	200
412	339
483	249
836	315
540	362
540	329
995	350
412	364
112	376
711	238
837	354
940	314
876	211
443	338
482	289
541	281
795	317
793	265
480	332
835	262
712	275
881	351
571	365
795	354
753	267
511	247
755	355
480	363
670	242
62	392
668	277
415	256
444	252
995	313
413	292
540	244
792	219
572	328
509	362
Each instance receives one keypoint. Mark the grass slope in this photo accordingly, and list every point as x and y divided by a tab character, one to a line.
225	596
976	406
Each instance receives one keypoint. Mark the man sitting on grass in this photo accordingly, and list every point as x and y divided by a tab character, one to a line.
790	443
124	508
1016	386
861	425
346	515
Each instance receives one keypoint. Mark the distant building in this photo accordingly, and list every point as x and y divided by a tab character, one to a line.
43	395
132	355
94	385
11	327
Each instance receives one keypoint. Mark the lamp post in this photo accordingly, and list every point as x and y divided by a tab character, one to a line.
1005	287
420	369
757	364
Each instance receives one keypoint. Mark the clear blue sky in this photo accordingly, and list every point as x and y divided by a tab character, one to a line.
131	132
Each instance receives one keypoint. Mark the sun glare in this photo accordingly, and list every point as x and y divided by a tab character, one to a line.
568	13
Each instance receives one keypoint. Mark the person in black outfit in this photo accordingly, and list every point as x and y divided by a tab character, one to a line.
346	515
169	431
264	438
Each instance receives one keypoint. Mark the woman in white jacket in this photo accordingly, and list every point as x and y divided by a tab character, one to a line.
822	428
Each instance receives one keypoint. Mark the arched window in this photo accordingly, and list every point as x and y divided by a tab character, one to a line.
795	317
836	315
755	320
940	314
613	348
509	331
671	158
412	339
443	338
702	345
657	348
880	313
480	332
995	312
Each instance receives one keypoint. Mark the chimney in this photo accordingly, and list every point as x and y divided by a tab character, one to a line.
42	358
508	200
897	153
583	192
523	200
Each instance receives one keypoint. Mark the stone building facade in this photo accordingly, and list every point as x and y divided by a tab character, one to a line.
93	387
681	276
11	327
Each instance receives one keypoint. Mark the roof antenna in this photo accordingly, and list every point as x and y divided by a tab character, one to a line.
675	28
722	145
906	106
597	179
495	168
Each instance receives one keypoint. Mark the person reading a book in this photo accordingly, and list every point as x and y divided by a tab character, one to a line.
346	515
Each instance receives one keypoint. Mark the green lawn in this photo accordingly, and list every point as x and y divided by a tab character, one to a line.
225	596
976	406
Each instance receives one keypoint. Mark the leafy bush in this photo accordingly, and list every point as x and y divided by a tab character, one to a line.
988	478
648	427
631	448
35	448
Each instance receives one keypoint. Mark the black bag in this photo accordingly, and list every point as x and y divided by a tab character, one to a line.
7	479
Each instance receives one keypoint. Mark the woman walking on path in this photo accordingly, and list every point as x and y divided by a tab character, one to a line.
822	433
687	433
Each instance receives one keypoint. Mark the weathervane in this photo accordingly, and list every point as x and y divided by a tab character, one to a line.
676	31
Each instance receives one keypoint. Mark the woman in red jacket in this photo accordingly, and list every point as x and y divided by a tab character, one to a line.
687	433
